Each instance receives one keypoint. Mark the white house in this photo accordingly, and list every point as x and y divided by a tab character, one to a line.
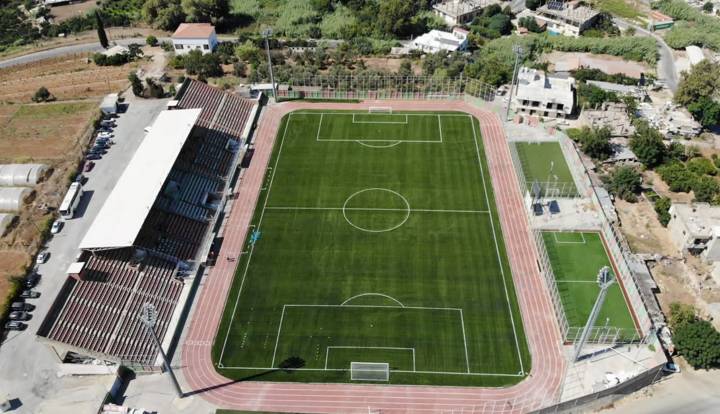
695	229
566	18
435	41
461	11
544	96
194	36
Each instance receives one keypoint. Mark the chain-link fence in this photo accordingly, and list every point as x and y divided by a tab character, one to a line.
384	87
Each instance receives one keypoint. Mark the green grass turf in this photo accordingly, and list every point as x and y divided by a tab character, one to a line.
437	282
576	259
536	160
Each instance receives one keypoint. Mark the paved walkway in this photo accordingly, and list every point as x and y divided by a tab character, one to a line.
542	386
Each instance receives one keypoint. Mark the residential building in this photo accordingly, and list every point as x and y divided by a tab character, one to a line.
567	18
194	36
436	41
695	229
543	96
461	11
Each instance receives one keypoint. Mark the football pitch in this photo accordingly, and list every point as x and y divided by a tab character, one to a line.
576	258
376	240
544	163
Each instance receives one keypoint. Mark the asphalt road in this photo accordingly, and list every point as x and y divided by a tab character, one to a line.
27	367
666	65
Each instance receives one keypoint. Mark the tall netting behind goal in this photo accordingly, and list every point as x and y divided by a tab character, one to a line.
369	371
380	110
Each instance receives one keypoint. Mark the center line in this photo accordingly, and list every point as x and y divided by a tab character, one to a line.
379	209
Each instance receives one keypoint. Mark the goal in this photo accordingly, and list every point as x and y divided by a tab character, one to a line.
369	371
380	110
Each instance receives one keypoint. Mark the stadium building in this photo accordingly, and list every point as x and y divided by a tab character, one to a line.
152	234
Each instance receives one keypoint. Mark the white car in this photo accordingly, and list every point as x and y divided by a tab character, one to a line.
56	226
42	257
104	135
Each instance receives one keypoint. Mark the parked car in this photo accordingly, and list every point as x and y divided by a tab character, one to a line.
88	166
18	316
31	280
108	122
58	224
93	157
22	306
29	294
42	257
101	145
15	326
104	134
97	151
80	178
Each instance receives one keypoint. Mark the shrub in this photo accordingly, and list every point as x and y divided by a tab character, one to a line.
705	189
647	144
662	208
699	343
677	177
701	166
624	182
136	84
42	95
151	40
594	142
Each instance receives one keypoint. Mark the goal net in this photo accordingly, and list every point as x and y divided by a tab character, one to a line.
369	371
380	110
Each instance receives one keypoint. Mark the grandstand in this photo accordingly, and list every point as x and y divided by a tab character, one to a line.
152	233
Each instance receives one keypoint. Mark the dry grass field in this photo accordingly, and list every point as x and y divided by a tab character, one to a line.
67	77
12	264
42	131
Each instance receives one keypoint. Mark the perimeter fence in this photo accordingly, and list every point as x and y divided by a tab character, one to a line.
385	87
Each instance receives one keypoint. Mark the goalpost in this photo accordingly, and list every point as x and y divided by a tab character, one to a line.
369	371
380	110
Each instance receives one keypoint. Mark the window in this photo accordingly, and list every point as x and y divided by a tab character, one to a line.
178	46
206	47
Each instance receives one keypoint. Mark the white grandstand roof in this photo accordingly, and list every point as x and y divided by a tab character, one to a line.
129	203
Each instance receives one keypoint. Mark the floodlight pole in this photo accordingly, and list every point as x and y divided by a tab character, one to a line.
149	317
605	279
518	50
266	33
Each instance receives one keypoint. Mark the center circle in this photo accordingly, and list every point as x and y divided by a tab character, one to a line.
376	210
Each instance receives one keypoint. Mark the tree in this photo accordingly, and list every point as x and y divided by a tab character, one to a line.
677	177
647	144
102	36
699	91
533	4
394	16
405	68
662	208
163	14
708	7
595	142
624	182
239	69
248	52
42	95
154	90
212	11
699	343
530	23
136	83
151	41
203	65
705	189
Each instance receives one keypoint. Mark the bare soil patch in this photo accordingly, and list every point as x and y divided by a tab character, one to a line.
390	64
68	77
66	11
42	131
642	229
568	61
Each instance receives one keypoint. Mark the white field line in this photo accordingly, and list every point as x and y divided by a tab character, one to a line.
557	241
478	374
462	323
497	248
413	113
277	338
373	294
317	137
252	246
418	210
440	128
575	281
380	122
392	348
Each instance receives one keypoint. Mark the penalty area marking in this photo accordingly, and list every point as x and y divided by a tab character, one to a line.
392	144
365	141
557	241
379	122
392	348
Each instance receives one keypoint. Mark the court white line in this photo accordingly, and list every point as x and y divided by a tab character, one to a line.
327	351
418	210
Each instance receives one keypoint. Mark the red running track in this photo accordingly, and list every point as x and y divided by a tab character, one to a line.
539	389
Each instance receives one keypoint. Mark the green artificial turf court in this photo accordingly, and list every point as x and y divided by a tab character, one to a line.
377	240
576	258
544	162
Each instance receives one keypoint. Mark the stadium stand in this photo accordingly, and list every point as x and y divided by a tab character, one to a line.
95	315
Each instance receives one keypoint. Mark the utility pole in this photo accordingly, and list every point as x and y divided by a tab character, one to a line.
266	33
604	279
149	317
518	50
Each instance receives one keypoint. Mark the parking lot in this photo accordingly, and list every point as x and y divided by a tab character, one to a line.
28	370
